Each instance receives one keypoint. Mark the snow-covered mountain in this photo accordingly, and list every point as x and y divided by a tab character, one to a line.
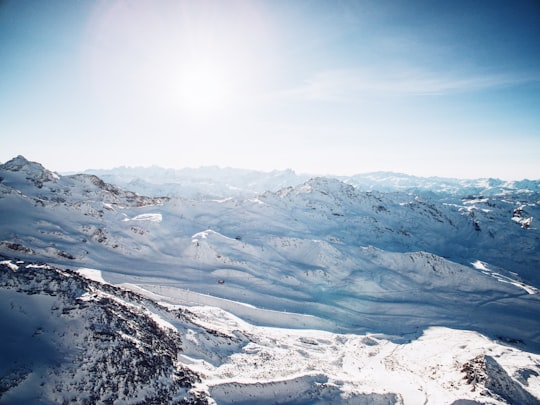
69	337
204	182
382	280
385	181
215	182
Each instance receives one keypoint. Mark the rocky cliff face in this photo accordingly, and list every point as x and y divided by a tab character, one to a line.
68	338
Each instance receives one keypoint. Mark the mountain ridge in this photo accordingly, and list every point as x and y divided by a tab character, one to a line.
323	254
222	182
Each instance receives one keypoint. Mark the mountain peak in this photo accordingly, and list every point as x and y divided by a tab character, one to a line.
34	171
17	163
20	163
327	185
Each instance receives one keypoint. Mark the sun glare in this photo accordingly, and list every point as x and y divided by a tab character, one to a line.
203	88
198	59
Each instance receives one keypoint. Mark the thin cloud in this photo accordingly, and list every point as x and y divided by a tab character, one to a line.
350	84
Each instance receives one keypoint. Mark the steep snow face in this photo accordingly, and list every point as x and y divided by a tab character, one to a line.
67	338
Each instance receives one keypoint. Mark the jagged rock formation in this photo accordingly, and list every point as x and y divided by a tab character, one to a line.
67	338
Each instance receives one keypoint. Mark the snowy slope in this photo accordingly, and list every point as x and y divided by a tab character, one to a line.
397	267
323	248
69	338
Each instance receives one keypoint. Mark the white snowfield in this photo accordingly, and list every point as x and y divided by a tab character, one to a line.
292	365
353	368
92	274
330	293
146	217
236	361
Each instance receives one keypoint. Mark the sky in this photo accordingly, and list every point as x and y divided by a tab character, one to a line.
423	87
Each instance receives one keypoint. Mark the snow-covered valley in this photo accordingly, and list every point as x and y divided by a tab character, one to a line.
323	291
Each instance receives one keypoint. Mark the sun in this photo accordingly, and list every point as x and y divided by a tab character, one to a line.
172	61
203	88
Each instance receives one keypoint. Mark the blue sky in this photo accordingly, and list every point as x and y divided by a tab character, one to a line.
431	88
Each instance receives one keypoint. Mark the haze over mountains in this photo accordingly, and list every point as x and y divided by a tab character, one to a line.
381	268
226	182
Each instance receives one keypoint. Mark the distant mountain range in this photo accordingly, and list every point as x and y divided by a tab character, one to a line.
365	278
215	182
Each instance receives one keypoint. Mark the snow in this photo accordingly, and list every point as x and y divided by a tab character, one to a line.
92	274
479	265
291	362
146	217
201	235
223	200
11	265
508	278
299	305
38	266
239	362
169	295
162	323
